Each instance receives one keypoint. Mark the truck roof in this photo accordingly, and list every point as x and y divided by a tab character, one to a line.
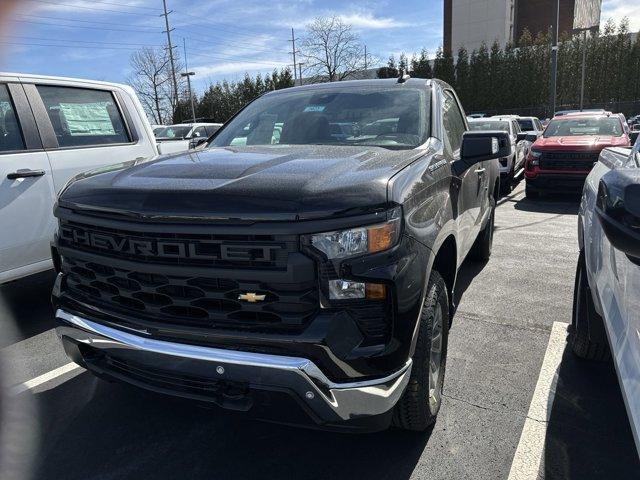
415	82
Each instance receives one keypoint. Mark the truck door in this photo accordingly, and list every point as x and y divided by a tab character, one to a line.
471	180
26	189
86	128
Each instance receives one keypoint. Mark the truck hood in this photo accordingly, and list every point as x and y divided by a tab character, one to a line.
248	183
580	143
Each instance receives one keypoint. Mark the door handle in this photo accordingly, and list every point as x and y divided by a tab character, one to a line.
480	171
25	173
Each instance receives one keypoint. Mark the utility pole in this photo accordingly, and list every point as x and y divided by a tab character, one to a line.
584	67
300	64
554	61
188	74
170	46
365	59
293	51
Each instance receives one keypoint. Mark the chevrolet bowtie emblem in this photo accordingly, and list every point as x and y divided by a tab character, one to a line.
251	297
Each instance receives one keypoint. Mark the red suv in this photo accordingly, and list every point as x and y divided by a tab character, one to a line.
561	159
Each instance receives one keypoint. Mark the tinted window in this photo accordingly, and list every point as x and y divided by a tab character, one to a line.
526	125
10	134
83	117
453	123
388	117
576	126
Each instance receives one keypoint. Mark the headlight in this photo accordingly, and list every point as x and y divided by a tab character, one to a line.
361	240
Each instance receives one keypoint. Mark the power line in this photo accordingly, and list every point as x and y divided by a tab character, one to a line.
137	45
84	27
58	19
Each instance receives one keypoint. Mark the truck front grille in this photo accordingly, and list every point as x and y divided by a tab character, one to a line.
582	161
190	300
197	249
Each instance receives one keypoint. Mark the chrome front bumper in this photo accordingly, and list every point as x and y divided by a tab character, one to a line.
330	402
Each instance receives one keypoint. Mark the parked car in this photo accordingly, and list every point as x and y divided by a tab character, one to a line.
606	305
531	125
476	115
50	130
311	278
599	111
185	136
511	165
562	158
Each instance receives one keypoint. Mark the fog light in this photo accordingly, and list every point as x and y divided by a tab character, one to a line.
376	291
346	290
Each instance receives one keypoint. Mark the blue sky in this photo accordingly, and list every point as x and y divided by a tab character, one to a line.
224	38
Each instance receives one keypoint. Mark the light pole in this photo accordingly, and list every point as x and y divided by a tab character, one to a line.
300	64
193	108
554	61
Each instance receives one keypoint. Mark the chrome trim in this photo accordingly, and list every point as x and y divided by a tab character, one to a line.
346	400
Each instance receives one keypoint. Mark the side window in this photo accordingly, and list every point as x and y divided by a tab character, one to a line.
83	117
200	132
516	127
539	125
453	123
10	133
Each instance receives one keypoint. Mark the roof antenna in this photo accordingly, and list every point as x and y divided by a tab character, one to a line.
403	77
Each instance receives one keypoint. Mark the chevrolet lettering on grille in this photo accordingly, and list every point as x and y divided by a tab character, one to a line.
195	249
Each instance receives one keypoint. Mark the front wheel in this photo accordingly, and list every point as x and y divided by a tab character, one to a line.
419	405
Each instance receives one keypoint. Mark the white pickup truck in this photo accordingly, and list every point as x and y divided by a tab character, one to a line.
52	129
606	305
184	136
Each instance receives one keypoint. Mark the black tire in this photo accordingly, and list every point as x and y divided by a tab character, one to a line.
585	314
418	407
506	184
530	193
481	250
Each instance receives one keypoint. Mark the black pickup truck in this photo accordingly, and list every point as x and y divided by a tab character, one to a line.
301	267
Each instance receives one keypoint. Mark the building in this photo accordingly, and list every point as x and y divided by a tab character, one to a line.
474	22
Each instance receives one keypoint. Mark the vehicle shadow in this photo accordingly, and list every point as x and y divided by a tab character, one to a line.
25	307
467	272
559	204
93	429
588	436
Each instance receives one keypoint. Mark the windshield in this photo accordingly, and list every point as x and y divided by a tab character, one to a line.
376	116
489	125
526	125
571	127
174	132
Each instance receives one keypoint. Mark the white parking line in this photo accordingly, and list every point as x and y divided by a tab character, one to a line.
45	377
528	456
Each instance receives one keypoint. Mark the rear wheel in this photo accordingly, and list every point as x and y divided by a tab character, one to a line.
506	183
584	316
419	405
481	250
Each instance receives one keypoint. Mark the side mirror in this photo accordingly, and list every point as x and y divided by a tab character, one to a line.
196	142
618	208
529	137
633	136
485	145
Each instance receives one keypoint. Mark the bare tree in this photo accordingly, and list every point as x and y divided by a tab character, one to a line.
151	79
332	50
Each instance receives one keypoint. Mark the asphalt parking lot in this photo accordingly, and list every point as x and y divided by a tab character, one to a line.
74	426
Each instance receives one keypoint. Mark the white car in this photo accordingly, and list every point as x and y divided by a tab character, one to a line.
52	129
606	307
510	166
531	125
184	136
